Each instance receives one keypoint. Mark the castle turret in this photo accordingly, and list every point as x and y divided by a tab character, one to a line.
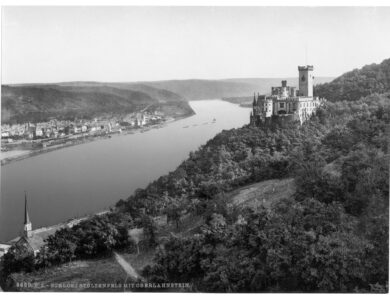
27	229
306	81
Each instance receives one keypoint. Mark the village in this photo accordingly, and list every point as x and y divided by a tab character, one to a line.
35	136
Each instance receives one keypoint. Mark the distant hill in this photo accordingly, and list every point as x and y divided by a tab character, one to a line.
87	99
264	85
160	94
84	100
353	85
196	89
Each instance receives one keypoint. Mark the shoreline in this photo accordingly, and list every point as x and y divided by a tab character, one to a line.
89	139
75	220
68	223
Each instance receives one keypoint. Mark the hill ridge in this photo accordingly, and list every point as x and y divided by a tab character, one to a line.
352	85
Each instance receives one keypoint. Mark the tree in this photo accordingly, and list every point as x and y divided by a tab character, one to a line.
136	235
18	259
173	209
308	246
149	229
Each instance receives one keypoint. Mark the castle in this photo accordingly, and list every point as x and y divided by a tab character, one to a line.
286	103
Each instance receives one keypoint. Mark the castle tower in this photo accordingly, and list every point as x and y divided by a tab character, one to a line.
27	229
306	81
284	90
268	107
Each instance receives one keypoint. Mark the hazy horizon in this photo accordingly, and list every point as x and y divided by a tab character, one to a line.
162	80
137	44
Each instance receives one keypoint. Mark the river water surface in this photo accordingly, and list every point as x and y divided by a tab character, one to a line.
88	178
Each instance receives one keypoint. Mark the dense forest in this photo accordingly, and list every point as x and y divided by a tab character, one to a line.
374	78
330	236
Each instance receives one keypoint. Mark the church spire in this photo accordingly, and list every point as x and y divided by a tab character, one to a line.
254	99
26	217
27	223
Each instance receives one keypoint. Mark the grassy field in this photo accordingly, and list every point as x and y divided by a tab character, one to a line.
263	193
74	275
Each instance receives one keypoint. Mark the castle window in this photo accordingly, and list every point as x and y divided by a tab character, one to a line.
281	105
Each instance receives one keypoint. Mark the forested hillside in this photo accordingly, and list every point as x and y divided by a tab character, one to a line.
330	236
37	103
374	78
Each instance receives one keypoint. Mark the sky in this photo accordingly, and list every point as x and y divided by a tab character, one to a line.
55	44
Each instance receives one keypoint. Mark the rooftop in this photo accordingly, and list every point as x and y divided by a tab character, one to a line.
37	240
304	68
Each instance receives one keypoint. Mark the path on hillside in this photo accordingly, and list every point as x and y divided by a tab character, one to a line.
126	267
263	193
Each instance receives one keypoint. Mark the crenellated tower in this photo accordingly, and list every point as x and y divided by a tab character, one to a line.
306	80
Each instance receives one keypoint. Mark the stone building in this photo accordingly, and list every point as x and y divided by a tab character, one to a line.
32	240
286	103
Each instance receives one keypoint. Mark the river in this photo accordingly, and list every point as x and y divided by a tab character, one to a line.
87	178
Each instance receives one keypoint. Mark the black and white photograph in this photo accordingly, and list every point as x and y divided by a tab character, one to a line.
195	149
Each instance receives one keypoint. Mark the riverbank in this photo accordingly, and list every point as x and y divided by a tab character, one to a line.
50	230
95	176
87	139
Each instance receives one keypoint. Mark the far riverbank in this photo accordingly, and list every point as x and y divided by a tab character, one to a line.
23	154
92	177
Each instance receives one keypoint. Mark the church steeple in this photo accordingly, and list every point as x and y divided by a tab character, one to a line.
27	230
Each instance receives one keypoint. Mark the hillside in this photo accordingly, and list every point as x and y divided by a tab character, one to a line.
196	89
88	99
160	94
353	85
36	103
284	208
